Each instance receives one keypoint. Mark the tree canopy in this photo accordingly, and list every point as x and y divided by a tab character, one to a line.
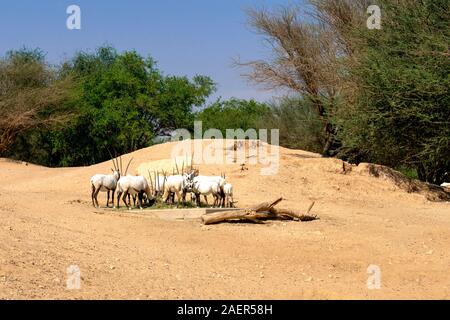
119	103
399	111
360	94
31	96
232	114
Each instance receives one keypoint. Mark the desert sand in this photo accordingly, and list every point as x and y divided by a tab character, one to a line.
47	224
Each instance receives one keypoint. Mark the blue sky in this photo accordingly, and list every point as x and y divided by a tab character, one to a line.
186	37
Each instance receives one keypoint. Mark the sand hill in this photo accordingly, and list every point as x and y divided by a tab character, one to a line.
369	215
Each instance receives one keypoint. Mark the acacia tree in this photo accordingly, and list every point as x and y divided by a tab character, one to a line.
399	113
307	55
30	95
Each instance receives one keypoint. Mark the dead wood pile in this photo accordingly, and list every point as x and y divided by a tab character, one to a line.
259	213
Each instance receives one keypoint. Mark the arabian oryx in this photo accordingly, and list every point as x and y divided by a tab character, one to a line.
105	183
228	192
133	185
209	185
178	184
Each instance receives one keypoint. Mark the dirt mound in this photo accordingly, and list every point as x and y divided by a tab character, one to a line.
369	215
430	191
313	176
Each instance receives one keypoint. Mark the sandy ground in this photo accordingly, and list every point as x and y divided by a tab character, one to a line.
47	223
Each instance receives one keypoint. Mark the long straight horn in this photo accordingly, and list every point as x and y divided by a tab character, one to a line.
128	165
121	168
164	185
182	168
176	165
112	158
114	164
117	162
150	177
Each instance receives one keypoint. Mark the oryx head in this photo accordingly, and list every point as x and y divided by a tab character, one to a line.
188	181
115	171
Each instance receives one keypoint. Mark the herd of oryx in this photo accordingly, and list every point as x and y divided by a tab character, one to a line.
162	186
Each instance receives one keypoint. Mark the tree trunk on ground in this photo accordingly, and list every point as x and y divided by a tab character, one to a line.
259	213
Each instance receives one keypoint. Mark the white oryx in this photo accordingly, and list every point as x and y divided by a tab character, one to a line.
105	183
209	185
179	185
135	186
158	182
228	191
445	185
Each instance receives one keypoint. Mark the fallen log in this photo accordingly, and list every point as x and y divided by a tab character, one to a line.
258	213
304	217
265	206
238	215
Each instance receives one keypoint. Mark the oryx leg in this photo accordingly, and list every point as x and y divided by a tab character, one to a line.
107	198
197	199
166	196
124	199
119	194
113	192
92	196
184	194
179	198
139	196
222	198
95	197
217	200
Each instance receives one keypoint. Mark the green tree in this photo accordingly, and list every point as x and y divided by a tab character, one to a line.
123	102
232	114
400	111
32	98
300	126
305	56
